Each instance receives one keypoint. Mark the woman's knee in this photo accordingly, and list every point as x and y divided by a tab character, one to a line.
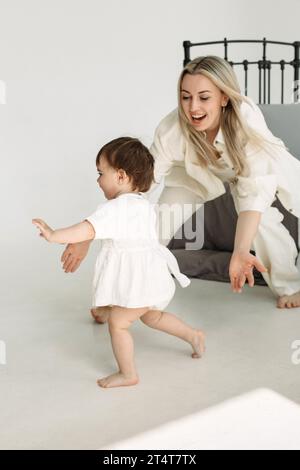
151	318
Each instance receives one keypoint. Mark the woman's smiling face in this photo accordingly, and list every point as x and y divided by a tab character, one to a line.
202	102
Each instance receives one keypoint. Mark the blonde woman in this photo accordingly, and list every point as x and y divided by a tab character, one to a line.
217	135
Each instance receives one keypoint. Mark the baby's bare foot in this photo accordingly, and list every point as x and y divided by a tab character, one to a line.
117	380
100	314
198	344
289	301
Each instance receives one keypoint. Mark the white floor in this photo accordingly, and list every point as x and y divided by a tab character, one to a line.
54	354
259	420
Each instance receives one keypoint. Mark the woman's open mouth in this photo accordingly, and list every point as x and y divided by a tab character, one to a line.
198	118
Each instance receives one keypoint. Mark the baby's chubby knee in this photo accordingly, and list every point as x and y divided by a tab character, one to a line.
116	320
121	317
152	317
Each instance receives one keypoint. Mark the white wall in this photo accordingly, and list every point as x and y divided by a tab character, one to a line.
81	72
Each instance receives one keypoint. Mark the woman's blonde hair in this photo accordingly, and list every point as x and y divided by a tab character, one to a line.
237	134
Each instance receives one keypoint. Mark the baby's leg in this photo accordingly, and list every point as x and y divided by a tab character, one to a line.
120	319
172	325
101	314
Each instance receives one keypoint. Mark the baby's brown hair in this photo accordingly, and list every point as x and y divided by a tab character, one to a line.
130	155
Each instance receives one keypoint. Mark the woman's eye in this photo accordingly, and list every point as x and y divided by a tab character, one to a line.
187	98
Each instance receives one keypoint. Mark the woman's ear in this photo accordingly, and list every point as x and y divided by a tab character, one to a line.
225	100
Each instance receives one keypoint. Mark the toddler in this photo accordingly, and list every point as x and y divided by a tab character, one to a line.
133	273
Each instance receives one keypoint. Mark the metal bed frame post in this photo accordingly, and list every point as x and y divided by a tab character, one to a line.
296	71
264	66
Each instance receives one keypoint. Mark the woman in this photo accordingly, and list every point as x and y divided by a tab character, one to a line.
217	135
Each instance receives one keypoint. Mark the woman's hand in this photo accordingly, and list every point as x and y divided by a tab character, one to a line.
45	231
241	268
73	255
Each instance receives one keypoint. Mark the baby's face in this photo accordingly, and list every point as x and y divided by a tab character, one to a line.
110	180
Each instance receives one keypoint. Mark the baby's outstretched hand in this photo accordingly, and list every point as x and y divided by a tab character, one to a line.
45	230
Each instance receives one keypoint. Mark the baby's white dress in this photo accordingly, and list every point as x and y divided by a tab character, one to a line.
132	268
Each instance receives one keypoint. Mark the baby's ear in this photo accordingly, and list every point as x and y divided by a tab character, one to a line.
122	175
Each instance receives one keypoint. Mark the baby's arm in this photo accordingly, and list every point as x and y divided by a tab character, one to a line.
74	234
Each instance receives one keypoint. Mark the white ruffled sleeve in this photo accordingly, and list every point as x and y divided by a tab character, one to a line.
105	220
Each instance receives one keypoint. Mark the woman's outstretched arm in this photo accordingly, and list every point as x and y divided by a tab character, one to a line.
242	261
73	255
246	229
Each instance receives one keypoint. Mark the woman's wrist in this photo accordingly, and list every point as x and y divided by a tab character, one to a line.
241	250
246	229
85	243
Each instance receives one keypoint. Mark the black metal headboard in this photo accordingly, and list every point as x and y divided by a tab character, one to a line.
264	66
